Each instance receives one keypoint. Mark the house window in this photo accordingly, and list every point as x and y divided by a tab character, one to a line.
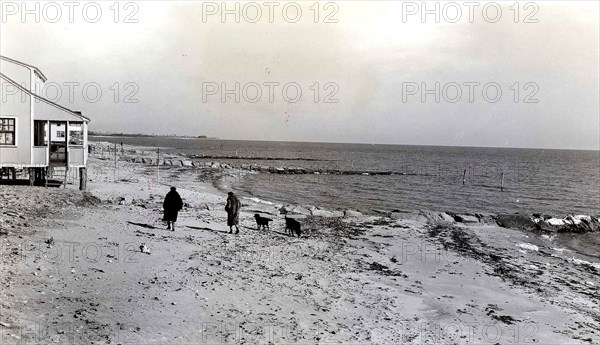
60	134
75	134
7	131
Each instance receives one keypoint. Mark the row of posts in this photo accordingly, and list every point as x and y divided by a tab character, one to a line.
157	162
501	179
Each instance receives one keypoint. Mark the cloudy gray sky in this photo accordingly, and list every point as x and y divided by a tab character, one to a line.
361	68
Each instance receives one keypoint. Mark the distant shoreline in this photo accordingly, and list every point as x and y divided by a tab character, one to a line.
103	135
340	143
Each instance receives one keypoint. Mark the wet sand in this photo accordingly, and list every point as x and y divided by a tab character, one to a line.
359	280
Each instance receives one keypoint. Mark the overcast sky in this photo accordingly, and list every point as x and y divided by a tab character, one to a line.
371	61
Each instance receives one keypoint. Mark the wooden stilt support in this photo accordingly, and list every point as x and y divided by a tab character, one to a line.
82	178
31	172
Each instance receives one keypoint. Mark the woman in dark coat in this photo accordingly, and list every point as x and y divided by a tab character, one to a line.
172	205
233	212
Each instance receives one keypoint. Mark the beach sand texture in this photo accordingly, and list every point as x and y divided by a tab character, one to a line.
72	272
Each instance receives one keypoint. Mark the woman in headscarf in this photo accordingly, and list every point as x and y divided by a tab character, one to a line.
233	212
172	205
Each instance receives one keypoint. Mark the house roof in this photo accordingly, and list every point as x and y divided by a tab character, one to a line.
3	76
35	69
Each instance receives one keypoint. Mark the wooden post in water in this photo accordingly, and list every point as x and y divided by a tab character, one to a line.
502	182
158	165
115	162
464	176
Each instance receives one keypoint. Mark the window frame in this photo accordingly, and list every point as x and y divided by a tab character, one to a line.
79	130
15	130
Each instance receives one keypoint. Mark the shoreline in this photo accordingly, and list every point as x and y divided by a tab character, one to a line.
358	278
223	175
406	181
141	155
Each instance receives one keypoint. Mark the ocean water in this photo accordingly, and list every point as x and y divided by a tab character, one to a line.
554	182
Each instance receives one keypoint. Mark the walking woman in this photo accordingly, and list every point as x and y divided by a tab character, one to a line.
233	212
172	205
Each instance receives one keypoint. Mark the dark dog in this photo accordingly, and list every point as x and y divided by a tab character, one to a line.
293	226
262	221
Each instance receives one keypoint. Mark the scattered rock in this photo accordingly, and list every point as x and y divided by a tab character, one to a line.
144	249
445	217
289	209
323	213
382	212
463	218
352	214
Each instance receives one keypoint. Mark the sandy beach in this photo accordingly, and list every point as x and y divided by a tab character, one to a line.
72	271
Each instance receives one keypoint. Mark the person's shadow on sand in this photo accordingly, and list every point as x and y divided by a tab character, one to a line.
207	229
147	226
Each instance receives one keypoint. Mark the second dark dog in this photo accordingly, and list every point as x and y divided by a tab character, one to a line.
293	226
262	221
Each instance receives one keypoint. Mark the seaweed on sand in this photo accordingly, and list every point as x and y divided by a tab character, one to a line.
386	271
331	227
466	243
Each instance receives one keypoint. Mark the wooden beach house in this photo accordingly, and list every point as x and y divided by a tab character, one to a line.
37	136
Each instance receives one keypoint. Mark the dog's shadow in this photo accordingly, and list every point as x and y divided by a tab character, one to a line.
270	231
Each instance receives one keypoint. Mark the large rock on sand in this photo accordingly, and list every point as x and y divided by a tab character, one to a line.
289	209
436	217
324	213
516	221
300	210
542	225
352	214
445	217
463	218
576	224
186	163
